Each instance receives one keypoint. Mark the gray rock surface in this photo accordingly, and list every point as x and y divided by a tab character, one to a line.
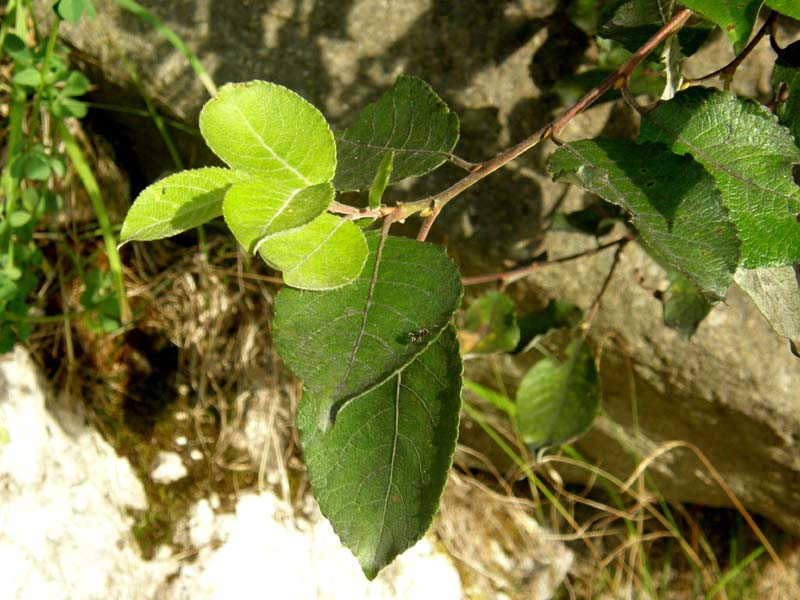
731	390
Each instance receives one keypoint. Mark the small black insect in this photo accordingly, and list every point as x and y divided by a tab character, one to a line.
416	336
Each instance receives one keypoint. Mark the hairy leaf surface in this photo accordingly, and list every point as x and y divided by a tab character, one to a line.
750	155
558	400
343	342
177	203
672	200
776	293
410	120
378	474
258	209
326	253
265	129
735	17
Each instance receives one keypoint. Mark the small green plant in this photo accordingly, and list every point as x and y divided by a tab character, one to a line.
41	88
366	319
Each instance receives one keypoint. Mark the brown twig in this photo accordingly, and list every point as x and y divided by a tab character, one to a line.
434	204
587	322
729	70
522	271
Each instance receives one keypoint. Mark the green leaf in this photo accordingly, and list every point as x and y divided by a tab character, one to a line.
633	22
685	305
596	220
381	179
177	203
343	342
557	401
72	10
490	324
787	74
19	218
326	253
265	129
735	17
776	293
30	77
76	85
15	47
672	200
35	165
409	119
749	155
257	209
556	314
378	474
790	8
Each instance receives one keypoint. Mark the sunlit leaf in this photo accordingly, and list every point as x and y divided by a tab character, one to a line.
750	155
776	293
326	253
735	17
490	324
411	121
790	8
379	472
381	179
267	130
177	203
258	209
557	400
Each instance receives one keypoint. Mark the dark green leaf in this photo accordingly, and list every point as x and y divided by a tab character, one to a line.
557	401
633	22
409	119
684	306
596	220
776	293
177	203
490	324
749	155
790	8
672	201
378	474
343	342
786	82
15	47
735	17
556	314
381	179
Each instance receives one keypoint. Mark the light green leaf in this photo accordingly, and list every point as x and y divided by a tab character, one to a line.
735	17
29	77
557	401
378	474
776	293
786	74
749	155
73	10
490	324
326	253
381	179
409	119
19	218
790	8
672	200
177	203
684	306
257	209
267	130
343	342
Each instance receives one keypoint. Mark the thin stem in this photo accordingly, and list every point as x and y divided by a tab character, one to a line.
460	162
729	70
587	323
514	274
488	167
